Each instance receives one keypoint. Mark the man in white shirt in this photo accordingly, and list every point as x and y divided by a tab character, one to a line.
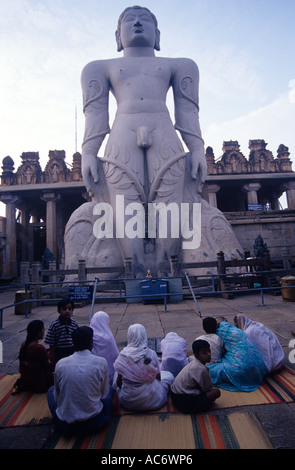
81	399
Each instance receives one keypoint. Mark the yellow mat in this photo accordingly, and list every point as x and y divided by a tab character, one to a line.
154	432
172	431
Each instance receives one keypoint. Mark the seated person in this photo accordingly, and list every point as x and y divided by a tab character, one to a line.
216	343
81	398
104	343
193	391
241	369
139	383
265	341
174	353
36	370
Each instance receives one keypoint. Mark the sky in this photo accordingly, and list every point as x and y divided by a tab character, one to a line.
245	51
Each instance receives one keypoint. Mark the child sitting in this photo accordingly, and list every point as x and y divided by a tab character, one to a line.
210	326
192	391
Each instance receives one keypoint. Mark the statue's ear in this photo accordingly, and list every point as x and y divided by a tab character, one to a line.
157	42
119	42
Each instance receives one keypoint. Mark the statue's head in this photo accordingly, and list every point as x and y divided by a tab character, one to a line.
134	14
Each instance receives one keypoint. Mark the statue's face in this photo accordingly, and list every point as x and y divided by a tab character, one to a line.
137	29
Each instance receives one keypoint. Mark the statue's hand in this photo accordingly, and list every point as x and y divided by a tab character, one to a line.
199	168
90	171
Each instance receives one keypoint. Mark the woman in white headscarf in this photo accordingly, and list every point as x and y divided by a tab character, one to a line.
174	353
104	343
265	341
140	385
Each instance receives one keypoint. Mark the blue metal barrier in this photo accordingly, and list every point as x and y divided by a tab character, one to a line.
165	296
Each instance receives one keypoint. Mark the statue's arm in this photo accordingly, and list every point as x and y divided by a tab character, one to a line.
95	89
185	85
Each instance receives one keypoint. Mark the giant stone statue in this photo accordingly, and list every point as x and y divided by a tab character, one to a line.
146	203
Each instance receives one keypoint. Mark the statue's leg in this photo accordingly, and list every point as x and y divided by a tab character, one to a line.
166	171
124	173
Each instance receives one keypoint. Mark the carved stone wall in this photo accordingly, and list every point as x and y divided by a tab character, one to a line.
8	177
30	172
261	160
56	170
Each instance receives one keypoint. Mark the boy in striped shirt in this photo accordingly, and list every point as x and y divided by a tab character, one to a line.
59	333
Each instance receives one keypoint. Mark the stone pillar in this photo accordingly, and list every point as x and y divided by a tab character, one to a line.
82	270
36	278
51	241
52	267
9	265
24	220
220	263
36	270
266	260
25	272
220	269
212	190
174	265
252	189
290	193
274	201
128	268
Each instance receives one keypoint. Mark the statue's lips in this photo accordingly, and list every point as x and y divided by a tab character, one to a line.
138	30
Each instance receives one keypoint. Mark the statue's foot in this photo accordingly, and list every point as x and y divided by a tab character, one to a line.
163	269
139	272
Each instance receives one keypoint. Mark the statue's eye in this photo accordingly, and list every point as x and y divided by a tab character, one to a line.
145	17
129	17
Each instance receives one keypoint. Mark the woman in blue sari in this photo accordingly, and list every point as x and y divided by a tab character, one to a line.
242	368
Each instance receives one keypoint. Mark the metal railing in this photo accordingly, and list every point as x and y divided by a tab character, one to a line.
193	291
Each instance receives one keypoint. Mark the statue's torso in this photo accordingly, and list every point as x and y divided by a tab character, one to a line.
140	85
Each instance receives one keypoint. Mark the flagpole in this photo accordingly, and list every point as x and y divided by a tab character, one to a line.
75	127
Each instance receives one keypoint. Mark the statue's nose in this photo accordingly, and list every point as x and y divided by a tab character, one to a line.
137	23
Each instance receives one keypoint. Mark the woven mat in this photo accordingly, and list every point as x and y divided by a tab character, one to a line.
171	431
26	409
22	409
276	388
